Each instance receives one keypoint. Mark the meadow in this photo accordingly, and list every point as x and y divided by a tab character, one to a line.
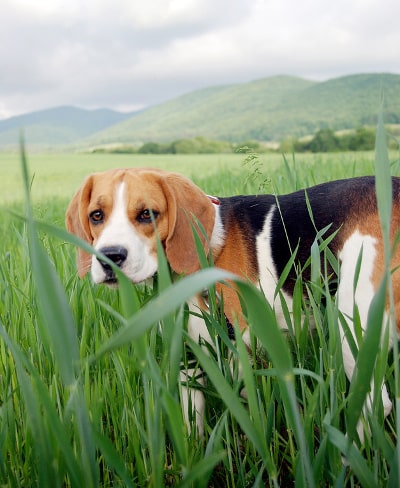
59	175
89	389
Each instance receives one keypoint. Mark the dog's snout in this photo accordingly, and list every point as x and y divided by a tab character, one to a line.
117	254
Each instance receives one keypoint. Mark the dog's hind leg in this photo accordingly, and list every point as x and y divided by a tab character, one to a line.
356	287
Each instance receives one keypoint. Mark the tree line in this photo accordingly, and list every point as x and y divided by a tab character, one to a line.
327	140
324	140
196	145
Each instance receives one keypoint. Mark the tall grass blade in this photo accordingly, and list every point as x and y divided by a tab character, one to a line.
172	334
113	459
202	471
87	445
52	434
235	406
58	328
353	457
260	313
385	197
291	173
383	182
394	479
59	333
167	302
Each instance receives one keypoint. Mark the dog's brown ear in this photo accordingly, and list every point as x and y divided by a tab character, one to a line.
77	223
187	205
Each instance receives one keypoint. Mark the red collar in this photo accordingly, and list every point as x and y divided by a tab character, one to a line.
214	200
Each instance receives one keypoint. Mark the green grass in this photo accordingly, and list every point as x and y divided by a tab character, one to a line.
89	376
59	175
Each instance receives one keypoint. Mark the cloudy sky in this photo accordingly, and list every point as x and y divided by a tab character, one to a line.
128	54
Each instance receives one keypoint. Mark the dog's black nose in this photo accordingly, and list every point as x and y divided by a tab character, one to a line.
117	254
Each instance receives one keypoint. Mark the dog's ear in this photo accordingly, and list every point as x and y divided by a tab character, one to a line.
77	223
187	206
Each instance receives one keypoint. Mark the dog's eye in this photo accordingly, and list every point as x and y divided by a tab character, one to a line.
97	216
146	216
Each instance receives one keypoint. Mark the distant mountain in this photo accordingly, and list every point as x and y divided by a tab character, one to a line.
231	112
58	126
268	109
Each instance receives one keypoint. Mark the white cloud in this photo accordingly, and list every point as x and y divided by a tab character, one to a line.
131	53
45	8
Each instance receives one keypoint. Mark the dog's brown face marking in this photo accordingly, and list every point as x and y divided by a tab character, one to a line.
129	209
144	202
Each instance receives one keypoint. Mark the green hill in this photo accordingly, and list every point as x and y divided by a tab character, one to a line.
269	109
55	126
224	112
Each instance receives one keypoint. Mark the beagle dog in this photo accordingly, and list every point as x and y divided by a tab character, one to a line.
121	212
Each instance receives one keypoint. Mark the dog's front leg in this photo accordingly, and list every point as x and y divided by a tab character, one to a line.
191	377
192	400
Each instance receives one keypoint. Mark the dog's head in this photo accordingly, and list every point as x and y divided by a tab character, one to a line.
123	212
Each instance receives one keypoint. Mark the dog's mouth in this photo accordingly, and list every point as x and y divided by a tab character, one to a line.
110	279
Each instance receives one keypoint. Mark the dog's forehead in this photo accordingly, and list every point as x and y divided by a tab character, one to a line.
139	185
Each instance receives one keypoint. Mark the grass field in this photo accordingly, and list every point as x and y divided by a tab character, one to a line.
89	390
59	175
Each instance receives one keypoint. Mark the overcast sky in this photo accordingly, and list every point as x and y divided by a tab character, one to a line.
128	54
